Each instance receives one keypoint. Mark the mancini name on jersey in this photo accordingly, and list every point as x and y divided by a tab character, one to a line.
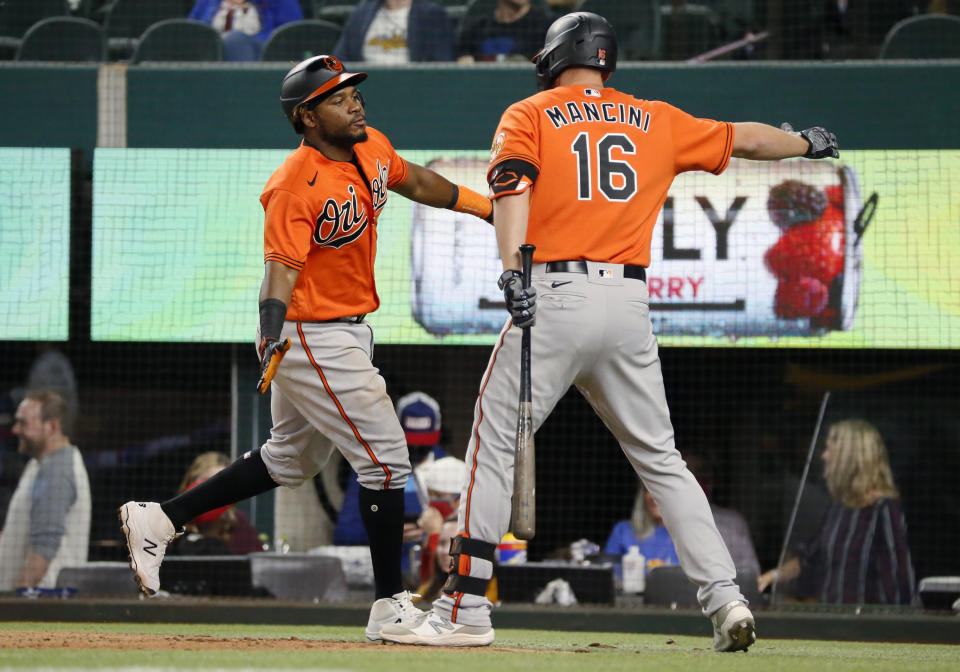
581	111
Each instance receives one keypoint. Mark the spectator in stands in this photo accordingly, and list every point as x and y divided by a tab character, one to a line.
11	462
396	31
220	531
52	370
514	30
435	567
245	24
48	521
444	480
646	531
861	555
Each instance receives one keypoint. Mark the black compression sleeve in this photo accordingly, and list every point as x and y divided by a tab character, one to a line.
512	177
272	314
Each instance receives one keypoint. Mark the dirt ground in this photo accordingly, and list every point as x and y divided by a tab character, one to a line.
32	639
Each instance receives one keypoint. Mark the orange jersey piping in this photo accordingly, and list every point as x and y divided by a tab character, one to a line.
343	414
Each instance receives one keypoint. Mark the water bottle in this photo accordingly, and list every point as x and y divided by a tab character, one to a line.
634	571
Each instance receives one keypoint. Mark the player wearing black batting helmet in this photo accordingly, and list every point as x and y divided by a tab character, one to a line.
311	81
580	38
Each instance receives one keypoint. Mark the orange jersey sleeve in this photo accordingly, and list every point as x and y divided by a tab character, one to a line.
289	225
605	161
700	144
321	217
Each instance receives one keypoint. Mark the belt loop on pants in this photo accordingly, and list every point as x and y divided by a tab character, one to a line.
580	266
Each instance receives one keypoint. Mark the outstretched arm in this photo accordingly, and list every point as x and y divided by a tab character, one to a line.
761	142
430	188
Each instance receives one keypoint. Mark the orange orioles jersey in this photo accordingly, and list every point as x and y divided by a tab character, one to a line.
321	219
598	164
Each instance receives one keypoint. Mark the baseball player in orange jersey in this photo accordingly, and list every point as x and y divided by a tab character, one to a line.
320	241
581	171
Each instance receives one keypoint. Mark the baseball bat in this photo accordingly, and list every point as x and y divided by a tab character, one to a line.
796	501
524	466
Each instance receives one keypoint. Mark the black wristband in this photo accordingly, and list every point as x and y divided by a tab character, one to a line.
456	197
272	314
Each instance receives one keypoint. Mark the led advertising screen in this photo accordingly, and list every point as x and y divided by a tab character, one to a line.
863	252
34	244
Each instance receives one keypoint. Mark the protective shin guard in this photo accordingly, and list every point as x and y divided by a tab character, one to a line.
246	477
382	514
462	549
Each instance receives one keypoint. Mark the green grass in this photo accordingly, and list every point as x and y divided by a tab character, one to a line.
550	651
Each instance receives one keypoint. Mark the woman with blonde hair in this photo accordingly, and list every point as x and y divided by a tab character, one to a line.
861	555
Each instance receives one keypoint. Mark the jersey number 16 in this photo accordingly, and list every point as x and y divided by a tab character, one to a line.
617	179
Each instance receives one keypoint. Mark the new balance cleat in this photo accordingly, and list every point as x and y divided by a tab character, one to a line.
733	627
148	532
436	630
398	610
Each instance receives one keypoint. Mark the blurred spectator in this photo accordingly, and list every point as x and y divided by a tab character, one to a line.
11	462
51	370
515	30
644	530
435	566
444	481
396	31
48	521
245	24
218	532
419	416
861	555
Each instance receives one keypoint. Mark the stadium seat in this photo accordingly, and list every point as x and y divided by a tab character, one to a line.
63	38
301	39
126	20
179	40
336	13
924	36
637	23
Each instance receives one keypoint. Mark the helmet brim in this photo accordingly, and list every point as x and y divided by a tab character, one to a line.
334	83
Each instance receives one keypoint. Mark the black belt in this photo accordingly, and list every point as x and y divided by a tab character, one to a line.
580	266
352	319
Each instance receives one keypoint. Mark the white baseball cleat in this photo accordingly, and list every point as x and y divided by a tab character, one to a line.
148	531
733	627
398	609
437	630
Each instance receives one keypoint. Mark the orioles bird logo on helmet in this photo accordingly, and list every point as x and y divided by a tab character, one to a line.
332	63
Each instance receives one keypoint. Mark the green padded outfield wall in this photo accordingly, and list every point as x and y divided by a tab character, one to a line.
869	105
42	106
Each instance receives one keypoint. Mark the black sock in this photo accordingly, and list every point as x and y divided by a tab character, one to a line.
245	478
382	514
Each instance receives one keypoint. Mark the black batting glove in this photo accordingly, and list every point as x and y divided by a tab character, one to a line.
521	302
271	351
821	142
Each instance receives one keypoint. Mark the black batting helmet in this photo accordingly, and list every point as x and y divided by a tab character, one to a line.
316	77
577	39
